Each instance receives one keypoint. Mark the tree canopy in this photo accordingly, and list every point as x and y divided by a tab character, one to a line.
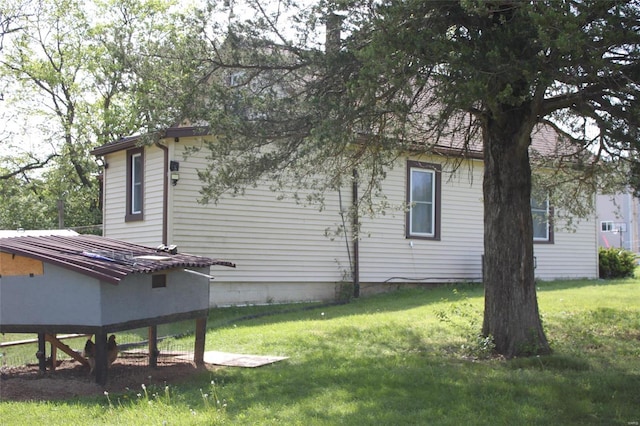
407	76
75	75
304	94
423	72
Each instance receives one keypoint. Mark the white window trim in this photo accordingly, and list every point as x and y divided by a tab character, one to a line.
136	184
547	213
435	170
131	212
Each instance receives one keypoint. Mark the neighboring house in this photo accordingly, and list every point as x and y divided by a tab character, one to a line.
281	249
618	216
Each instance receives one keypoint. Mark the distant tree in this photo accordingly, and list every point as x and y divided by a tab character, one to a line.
10	14
409	75
81	75
22	207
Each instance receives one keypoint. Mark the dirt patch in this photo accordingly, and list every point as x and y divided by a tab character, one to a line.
70	379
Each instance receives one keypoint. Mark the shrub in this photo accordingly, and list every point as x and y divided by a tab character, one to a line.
616	263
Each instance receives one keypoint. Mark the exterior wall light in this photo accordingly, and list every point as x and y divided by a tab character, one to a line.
174	166
175	177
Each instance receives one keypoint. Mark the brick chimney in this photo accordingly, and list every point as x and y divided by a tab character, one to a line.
332	40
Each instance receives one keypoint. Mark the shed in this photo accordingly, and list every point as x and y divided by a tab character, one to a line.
71	283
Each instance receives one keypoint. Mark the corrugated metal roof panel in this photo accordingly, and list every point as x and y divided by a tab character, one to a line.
102	258
35	232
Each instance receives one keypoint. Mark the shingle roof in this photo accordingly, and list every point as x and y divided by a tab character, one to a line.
546	143
102	258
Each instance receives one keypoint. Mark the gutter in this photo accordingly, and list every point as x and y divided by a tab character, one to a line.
356	237
137	140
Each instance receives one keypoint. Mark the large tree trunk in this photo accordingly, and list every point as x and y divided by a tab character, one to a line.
511	314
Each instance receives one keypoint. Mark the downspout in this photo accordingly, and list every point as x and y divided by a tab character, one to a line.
356	236
598	232
153	329
634	220
165	193
332	47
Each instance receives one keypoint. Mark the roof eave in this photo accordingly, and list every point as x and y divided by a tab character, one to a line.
120	145
134	141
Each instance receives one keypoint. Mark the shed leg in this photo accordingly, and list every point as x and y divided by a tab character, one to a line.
201	331
54	354
153	346
101	357
42	353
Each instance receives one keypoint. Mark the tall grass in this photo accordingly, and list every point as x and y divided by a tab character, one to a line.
411	357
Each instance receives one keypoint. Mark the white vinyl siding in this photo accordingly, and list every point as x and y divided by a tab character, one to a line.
287	252
387	256
271	240
573	253
278	241
148	231
115	181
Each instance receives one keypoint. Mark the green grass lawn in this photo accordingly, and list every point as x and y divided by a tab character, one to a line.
411	357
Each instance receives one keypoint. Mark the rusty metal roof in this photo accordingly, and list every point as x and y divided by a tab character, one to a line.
102	258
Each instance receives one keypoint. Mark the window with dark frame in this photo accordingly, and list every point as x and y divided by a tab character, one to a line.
135	184
607	226
423	200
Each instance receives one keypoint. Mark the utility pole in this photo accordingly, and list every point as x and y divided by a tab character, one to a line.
60	214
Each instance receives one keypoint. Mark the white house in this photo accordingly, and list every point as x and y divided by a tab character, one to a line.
281	249
618	218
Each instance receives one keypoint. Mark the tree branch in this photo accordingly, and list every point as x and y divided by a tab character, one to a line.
36	164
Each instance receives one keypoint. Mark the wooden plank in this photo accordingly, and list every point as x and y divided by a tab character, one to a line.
55	342
42	353
15	265
153	346
54	352
101	357
26	341
201	331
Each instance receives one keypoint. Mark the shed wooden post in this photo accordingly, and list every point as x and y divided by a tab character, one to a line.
42	353
201	331
101	357
54	353
153	346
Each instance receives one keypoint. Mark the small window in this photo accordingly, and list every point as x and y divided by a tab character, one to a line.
609	226
158	281
236	78
423	200
135	184
542	215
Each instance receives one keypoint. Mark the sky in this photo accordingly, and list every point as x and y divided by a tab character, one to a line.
19	126
20	129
